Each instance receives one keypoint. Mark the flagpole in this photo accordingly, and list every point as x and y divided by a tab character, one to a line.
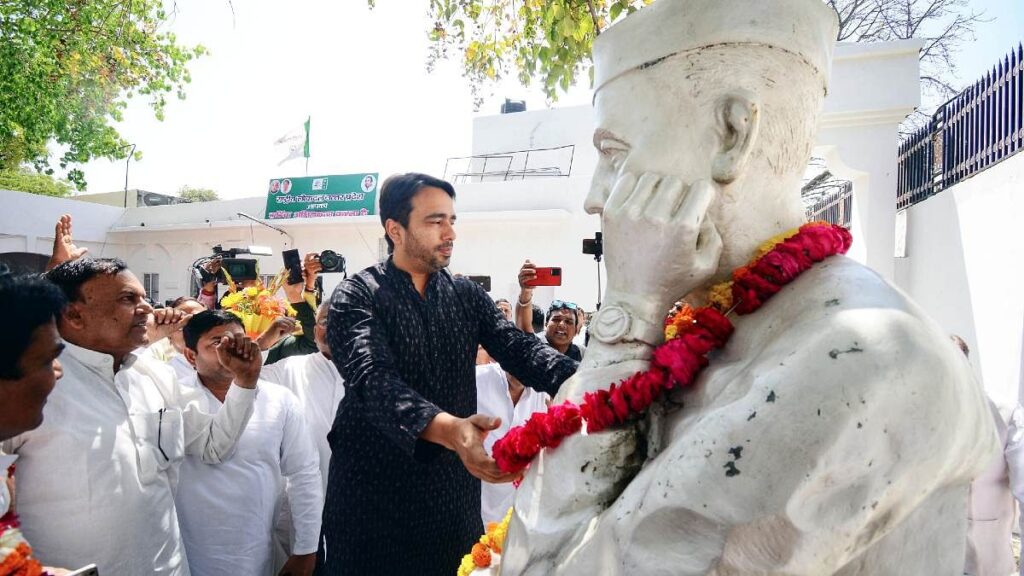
305	150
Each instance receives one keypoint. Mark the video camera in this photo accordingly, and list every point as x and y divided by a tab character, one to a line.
239	268
594	246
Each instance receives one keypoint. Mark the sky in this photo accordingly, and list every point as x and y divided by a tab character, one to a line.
360	75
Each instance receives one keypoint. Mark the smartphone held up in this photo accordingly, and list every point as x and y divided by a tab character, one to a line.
546	276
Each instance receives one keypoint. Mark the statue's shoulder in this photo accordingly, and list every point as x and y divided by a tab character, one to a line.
844	318
843	296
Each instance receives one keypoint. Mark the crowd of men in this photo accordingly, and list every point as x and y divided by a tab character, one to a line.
176	444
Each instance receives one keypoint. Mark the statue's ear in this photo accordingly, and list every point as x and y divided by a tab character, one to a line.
737	118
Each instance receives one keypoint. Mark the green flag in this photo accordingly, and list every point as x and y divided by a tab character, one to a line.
296	142
305	149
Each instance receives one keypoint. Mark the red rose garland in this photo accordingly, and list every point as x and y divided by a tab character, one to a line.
691	334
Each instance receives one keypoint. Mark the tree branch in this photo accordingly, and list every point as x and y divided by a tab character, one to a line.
593	16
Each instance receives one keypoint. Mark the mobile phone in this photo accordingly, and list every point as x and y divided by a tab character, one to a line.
293	264
89	570
550	276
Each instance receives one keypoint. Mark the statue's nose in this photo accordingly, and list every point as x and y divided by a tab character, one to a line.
594	204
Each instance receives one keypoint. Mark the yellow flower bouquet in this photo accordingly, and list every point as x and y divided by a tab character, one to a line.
256	306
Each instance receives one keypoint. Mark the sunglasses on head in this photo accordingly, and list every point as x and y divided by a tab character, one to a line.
561	305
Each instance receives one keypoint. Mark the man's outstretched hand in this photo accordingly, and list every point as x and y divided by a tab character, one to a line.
465	437
64	249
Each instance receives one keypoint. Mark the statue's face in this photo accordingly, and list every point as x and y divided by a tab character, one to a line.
641	127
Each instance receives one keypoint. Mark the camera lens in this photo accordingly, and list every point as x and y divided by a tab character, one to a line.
329	259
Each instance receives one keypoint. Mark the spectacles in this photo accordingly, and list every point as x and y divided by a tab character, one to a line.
562	305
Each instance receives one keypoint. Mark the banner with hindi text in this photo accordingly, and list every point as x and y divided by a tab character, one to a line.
320	196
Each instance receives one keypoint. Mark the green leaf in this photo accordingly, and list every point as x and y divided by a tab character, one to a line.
567	27
67	68
615	11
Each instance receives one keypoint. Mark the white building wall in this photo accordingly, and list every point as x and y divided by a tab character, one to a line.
27	222
963	266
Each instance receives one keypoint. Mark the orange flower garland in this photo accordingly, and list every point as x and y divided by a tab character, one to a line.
489	547
691	334
15	553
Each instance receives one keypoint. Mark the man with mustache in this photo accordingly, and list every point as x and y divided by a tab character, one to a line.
96	478
403	494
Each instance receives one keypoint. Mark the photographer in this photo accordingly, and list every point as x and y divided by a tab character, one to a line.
302	298
561	323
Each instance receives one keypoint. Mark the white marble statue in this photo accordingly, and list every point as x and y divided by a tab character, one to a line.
837	431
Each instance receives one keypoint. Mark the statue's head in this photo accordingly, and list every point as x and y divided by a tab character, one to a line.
726	91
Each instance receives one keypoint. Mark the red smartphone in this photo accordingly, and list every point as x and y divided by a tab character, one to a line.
551	276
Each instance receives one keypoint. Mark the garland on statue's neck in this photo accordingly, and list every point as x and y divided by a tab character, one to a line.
690	334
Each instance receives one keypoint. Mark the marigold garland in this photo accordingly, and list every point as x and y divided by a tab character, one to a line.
690	335
488	549
15	552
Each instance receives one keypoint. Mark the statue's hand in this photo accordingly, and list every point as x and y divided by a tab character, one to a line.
659	244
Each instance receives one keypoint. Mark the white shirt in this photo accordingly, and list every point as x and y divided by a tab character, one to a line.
182	369
227	511
95	479
990	511
319	387
494	399
1014	453
5	493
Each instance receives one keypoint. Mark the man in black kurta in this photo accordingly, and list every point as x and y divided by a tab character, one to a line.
405	344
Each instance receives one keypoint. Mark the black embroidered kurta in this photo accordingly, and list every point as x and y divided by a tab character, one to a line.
397	504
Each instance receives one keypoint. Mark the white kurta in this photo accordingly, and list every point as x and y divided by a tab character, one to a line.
182	369
1014	452
227	511
95	479
5	494
990	512
315	381
493	399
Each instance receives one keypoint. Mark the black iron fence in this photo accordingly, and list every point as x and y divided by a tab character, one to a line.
835	207
974	130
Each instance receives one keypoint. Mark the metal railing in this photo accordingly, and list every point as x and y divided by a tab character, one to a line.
515	165
835	207
974	130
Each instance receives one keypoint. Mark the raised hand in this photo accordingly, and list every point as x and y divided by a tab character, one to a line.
526	273
64	248
279	328
311	267
240	355
165	322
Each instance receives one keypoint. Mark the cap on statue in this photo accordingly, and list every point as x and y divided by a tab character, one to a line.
806	28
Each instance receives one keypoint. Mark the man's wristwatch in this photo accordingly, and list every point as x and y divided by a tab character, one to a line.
616	323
